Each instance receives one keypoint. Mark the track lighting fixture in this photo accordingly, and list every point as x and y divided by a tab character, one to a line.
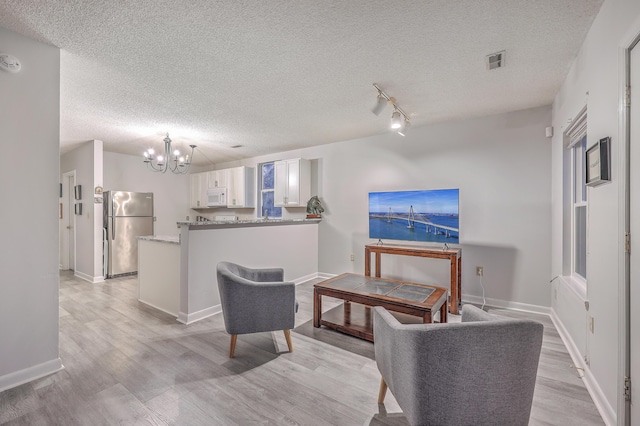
399	120
380	104
396	120
402	131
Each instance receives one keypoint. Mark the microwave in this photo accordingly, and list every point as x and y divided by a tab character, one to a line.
217	197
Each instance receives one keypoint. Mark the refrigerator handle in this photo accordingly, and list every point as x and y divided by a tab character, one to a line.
113	228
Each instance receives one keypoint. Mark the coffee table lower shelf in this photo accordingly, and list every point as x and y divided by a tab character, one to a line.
357	320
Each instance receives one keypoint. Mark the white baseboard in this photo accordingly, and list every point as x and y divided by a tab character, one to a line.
305	278
173	314
89	278
325	275
21	377
199	315
313	276
604	408
505	304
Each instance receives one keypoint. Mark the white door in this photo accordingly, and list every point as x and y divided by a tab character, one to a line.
634	199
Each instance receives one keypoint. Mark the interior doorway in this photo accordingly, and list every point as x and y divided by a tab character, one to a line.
68	222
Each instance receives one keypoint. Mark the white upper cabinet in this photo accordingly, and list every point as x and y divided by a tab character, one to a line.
241	187
292	182
218	178
239	182
198	190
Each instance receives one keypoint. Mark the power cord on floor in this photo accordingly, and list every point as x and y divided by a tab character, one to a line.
484	301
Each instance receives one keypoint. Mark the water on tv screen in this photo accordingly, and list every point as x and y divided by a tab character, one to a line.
425	216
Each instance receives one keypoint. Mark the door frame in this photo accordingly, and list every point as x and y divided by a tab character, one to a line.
624	284
68	180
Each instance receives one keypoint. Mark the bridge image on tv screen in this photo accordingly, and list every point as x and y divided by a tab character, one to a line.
427	215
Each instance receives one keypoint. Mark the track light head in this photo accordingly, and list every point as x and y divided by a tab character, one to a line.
399	119
381	102
402	131
396	120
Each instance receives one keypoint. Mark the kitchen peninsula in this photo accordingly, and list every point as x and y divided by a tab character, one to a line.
291	244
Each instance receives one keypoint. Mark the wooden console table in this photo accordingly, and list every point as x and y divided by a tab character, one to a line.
454	256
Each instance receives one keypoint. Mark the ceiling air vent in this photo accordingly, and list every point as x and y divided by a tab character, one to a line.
237	146
495	60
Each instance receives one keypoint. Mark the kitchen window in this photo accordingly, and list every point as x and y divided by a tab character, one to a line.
267	183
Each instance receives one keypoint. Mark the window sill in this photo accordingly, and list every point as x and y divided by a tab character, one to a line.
577	286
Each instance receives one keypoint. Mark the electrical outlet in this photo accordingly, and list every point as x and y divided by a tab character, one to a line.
187	218
353	257
479	271
591	324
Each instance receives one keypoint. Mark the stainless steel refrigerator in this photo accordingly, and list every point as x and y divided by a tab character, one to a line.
127	215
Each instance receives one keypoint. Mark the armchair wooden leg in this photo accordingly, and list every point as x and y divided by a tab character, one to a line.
232	348
383	391
287	335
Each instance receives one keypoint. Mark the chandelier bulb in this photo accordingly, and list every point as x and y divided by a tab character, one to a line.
176	153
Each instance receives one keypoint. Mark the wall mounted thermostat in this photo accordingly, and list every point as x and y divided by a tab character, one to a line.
9	63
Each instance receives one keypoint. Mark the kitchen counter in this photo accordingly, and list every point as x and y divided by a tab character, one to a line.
177	274
170	239
256	243
212	224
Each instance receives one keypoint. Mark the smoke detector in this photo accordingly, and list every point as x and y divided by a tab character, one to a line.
495	60
9	63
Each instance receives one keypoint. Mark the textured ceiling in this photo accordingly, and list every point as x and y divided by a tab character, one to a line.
279	74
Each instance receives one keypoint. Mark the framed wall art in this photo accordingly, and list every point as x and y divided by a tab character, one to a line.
598	163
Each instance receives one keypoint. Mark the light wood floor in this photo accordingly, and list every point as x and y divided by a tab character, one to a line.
130	364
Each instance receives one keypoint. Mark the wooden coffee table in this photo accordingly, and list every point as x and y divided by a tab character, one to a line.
410	302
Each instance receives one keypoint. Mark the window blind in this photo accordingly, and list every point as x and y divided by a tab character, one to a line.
577	130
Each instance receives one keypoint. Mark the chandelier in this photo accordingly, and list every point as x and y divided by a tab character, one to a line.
173	161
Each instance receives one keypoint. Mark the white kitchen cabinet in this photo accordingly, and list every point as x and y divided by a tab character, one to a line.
292	182
241	187
198	190
218	178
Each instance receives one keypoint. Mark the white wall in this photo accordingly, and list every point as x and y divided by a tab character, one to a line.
29	121
594	81
170	192
500	163
86	160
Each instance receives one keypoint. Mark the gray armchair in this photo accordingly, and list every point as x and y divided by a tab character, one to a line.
478	372
255	300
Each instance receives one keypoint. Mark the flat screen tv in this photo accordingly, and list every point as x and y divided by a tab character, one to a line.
423	216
